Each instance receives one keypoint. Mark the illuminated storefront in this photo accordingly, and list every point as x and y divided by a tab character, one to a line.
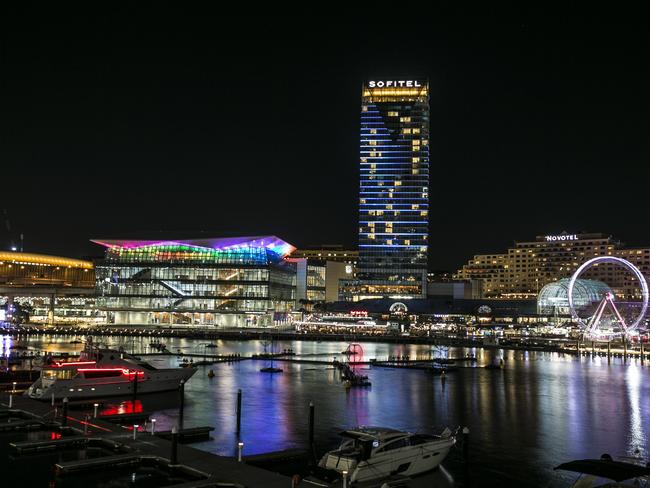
393	191
223	282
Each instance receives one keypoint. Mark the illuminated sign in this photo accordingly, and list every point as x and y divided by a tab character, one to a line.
394	84
562	237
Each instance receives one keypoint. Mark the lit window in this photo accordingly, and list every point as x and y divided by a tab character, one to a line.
393	114
415	206
398	183
372	143
416	131
373	131
364	108
405	119
416	171
389	242
416	160
406	131
415	142
407	242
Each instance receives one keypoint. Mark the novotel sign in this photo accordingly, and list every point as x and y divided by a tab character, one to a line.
393	83
562	237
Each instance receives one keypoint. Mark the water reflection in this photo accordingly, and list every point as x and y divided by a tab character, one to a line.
543	409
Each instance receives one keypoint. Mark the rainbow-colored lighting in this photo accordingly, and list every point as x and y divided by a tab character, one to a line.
250	250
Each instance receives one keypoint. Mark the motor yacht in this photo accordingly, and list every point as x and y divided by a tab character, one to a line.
104	373
371	453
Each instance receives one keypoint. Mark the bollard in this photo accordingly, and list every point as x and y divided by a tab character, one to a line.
238	411
345	478
11	400
135	430
174	457
311	427
182	405
95	407
64	420
14	387
153	426
466	444
240	448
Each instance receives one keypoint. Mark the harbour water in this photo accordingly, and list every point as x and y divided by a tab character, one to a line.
541	410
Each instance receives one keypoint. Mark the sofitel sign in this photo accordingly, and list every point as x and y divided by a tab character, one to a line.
562	237
392	83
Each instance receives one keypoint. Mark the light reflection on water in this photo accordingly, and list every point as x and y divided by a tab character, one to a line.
543	409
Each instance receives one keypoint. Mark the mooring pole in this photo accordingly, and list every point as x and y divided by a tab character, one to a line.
182	405
609	351
95	409
173	460
311	430
624	350
64	420
466	444
135	388
238	411
642	358
240	448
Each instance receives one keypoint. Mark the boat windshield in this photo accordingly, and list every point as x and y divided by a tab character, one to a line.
355	448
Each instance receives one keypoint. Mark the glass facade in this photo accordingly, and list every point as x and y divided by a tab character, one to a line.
393	190
190	282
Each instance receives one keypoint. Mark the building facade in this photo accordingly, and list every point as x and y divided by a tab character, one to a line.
47	289
234	282
524	269
317	281
328	252
393	191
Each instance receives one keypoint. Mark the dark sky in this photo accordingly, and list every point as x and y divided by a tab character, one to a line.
136	124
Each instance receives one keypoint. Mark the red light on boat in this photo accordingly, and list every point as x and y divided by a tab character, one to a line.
124	371
73	363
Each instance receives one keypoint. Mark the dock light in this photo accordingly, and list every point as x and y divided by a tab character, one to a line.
345	478
153	426
240	448
14	383
95	406
135	430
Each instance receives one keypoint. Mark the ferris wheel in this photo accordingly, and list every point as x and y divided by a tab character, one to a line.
623	322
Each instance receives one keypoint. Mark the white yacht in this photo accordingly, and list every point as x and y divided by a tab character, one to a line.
371	453
104	373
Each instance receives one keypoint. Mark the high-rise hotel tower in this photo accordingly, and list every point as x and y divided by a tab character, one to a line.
393	190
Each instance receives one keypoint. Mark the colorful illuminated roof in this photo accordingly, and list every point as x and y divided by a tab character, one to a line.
272	243
42	260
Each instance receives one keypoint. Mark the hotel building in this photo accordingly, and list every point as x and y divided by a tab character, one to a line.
525	268
393	191
239	282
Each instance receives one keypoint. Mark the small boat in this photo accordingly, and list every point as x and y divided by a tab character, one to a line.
373	453
271	369
607	472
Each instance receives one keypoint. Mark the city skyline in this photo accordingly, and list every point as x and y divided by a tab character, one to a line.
139	134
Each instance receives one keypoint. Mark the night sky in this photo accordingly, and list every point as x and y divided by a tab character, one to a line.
132	124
